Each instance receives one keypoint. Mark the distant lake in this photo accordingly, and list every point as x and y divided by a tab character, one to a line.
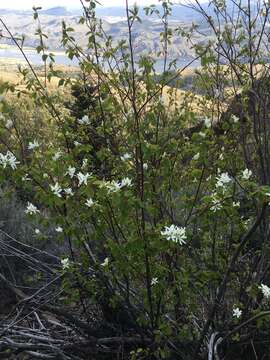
62	59
33	57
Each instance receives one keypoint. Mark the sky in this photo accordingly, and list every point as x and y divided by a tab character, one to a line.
28	4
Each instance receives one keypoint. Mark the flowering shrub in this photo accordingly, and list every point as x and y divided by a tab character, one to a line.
164	216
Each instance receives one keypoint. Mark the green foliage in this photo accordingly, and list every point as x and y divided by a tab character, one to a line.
156	199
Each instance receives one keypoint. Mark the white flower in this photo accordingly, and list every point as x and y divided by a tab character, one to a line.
33	145
246	174
216	204
247	223
202	134
236	204
83	178
59	229
65	263
31	209
68	192
77	143
196	156
125	157
207	123
223	179
45	176
113	186
175	234
8	159
71	171
126	182
221	157
89	202
217	93
105	262
235	119
154	281
265	290
26	178
12	161
237	313
145	166
37	231
84	120
84	164
9	124
57	155
56	189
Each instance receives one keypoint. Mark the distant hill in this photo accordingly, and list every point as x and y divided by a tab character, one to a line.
146	35
56	11
179	12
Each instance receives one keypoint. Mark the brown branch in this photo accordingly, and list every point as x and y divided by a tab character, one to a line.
222	287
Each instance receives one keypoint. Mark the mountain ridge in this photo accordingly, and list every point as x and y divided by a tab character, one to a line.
179	12
146	35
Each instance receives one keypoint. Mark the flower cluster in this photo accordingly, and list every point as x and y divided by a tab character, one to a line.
68	192
84	120
65	263
31	209
175	233
83	178
216	203
115	186
57	155
125	157
33	145
246	174
8	160
223	179
56	189
71	171
265	290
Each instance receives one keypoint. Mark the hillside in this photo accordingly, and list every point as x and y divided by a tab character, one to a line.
146	34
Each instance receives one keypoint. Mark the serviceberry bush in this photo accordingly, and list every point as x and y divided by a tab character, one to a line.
161	198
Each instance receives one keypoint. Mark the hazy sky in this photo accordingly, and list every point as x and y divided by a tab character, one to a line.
27	4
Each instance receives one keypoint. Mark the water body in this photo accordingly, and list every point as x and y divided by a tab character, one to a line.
62	59
33	57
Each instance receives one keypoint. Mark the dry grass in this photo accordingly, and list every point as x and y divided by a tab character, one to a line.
173	97
9	73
